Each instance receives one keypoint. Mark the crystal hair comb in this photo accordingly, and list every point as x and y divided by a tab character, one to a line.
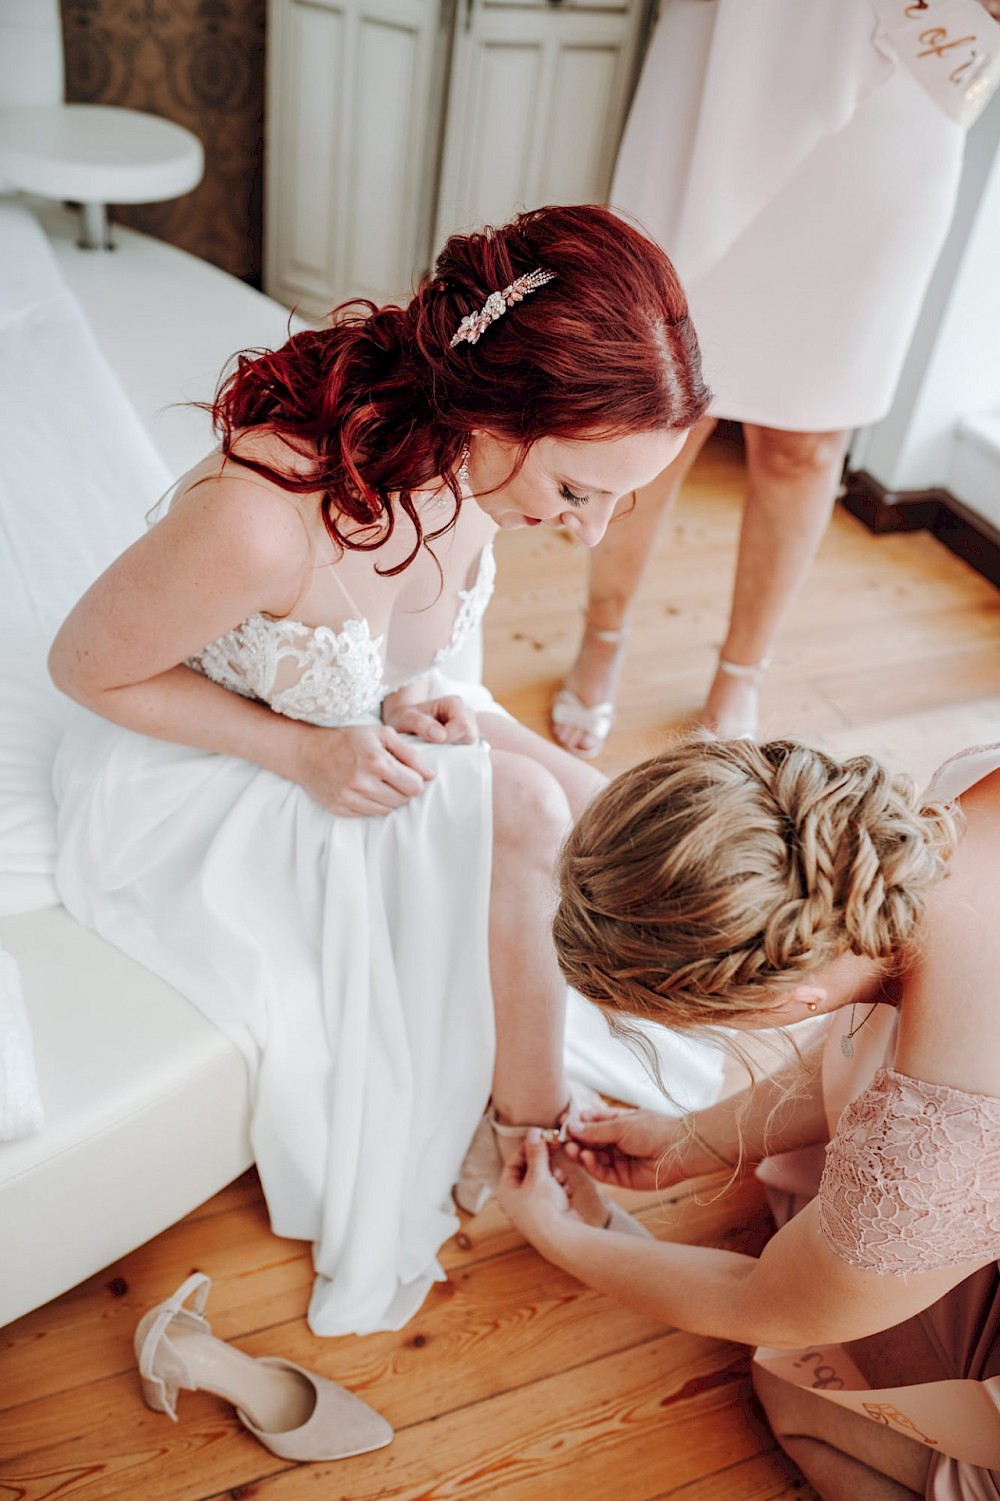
473	325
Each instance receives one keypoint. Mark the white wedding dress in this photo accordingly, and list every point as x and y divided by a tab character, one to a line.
348	957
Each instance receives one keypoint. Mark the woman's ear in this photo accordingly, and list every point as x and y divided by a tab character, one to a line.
802	1002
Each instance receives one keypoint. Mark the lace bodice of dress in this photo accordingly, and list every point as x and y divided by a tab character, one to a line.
912	1177
326	675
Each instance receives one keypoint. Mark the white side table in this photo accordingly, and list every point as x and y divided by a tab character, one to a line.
96	154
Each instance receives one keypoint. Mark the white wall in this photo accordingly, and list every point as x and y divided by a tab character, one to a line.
953	367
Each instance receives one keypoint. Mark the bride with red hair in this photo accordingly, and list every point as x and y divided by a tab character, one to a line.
275	795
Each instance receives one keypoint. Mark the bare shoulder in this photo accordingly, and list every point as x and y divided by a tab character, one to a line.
252	525
950	1028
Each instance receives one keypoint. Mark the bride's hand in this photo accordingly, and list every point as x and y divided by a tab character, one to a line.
359	771
444	721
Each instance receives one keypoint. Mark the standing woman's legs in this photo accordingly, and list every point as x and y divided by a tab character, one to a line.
792	481
617	565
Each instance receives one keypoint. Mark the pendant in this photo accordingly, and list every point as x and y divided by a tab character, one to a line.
847	1046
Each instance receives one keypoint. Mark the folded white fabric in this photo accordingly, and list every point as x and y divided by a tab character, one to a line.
20	1102
692	1071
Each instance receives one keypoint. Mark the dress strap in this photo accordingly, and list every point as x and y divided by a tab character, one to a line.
962	771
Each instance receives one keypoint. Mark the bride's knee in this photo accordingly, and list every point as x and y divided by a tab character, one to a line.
530	808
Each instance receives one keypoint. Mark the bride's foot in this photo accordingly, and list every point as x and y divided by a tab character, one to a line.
495	1143
593	1206
586	1197
583	711
731	707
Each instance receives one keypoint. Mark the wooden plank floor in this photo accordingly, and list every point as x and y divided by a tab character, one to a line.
514	1383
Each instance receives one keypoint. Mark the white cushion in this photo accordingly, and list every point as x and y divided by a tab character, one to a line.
146	1103
32	716
167	323
77	474
146	1111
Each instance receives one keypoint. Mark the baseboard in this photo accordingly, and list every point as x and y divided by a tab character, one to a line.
969	536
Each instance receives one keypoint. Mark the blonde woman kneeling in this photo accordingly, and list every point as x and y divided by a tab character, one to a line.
753	886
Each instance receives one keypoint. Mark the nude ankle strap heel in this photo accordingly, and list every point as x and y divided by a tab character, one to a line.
291	1411
484	1163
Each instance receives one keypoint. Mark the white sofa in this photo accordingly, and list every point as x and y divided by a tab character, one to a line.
146	1104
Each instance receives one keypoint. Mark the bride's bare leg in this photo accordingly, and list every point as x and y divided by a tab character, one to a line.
530	817
578	781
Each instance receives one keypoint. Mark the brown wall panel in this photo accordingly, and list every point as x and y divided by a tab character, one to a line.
200	63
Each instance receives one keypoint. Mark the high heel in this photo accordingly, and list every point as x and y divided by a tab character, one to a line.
289	1410
483	1162
483	1165
569	712
744	727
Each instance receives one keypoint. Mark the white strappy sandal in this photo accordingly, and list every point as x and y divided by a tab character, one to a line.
751	673
569	712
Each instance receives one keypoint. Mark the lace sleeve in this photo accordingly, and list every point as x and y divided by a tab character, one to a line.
912	1178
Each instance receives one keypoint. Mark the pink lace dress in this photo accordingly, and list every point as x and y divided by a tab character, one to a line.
910	1182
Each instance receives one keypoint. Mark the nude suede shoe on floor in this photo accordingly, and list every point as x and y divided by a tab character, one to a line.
289	1410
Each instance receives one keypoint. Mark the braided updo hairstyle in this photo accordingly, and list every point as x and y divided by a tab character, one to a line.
379	403
699	884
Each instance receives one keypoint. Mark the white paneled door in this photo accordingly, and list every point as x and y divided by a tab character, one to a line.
349	126
393	122
536	108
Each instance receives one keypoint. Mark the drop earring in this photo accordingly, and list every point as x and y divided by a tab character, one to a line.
463	468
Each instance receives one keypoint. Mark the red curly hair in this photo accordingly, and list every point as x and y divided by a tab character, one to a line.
380	403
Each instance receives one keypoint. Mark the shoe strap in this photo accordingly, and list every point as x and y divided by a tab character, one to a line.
559	1133
612	638
593	719
198	1285
743	669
